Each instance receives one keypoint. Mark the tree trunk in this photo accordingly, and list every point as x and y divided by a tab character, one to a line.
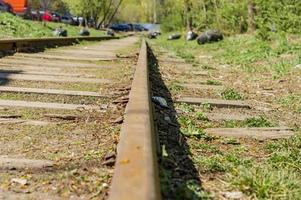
114	12
188	15
251	16
205	13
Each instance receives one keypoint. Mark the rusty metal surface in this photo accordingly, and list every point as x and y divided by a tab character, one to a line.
17	44
136	171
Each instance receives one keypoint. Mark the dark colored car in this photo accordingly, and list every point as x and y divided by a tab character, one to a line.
68	20
120	27
137	27
5	7
35	15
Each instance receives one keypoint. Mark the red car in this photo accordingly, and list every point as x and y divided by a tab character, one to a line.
47	17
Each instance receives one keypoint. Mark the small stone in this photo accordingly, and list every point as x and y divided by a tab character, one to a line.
19	181
110	162
167	119
160	101
104	106
110	155
119	120
233	195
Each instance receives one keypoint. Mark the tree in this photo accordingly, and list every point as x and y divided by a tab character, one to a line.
188	14
251	16
101	11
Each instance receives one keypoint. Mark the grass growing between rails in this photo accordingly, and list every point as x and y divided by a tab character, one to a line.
15	27
245	51
266	170
265	74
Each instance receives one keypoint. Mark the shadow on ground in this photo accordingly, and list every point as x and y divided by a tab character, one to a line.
4	76
178	175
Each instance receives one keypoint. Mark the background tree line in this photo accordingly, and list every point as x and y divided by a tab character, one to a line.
102	12
232	16
229	16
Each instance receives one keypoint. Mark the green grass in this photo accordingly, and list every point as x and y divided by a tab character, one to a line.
213	82
279	177
189	128
231	94
250	54
292	102
250	122
15	27
175	86
261	170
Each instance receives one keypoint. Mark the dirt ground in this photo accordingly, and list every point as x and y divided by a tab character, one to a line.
80	144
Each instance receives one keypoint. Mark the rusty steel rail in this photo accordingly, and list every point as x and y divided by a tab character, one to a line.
136	171
21	44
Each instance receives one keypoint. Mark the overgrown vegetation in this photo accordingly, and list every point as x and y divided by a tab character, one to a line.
261	170
234	16
231	94
250	122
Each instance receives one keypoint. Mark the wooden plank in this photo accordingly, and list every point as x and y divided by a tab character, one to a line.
256	133
198	73
25	122
202	86
83	52
61	57
39	62
11	195
228	116
8	163
61	79
36	104
214	102
79	55
24	71
50	91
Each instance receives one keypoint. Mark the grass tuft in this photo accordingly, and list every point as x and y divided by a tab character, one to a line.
231	94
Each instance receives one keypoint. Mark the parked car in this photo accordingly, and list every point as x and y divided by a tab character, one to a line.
5	7
139	28
46	16
120	27
35	15
56	17
78	20
68	20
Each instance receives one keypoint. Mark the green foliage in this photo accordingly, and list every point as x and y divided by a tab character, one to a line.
13	26
172	15
250	122
189	129
227	162
258	122
231	94
191	190
267	183
292	101
176	86
201	116
231	16
186	107
213	82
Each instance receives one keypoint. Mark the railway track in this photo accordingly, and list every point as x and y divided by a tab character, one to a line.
60	117
80	122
